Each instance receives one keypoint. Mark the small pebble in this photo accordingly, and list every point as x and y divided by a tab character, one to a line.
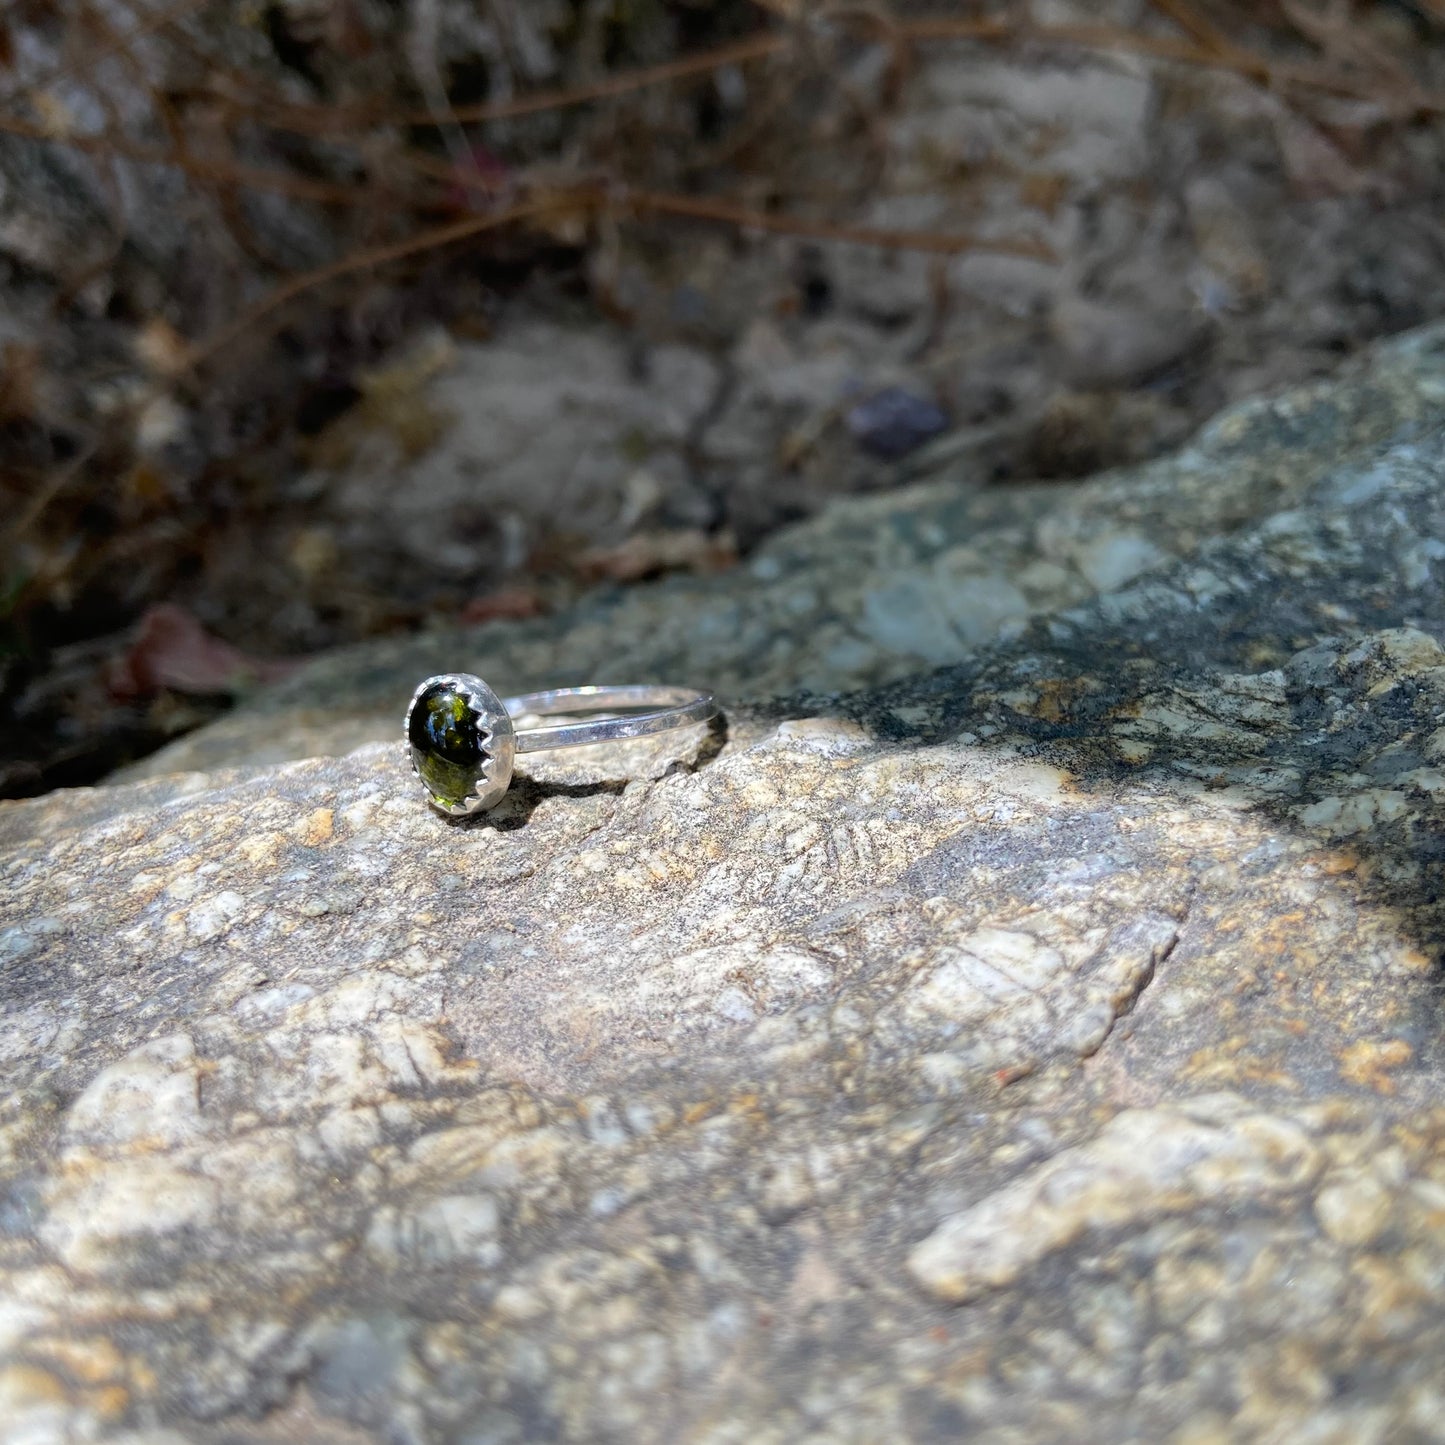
893	422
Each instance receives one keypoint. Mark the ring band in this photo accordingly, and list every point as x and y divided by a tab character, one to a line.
675	707
463	737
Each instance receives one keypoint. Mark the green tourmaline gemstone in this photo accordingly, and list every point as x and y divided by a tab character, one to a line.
446	740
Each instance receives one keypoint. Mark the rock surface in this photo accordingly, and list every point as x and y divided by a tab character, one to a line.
1043	1046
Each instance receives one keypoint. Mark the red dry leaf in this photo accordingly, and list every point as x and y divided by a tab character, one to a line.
647	554
482	180
510	604
171	650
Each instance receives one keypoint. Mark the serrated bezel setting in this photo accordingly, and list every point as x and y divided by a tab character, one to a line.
495	743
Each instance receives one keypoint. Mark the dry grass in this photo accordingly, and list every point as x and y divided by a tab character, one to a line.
416	184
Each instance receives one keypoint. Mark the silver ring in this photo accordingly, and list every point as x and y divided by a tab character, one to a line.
463	737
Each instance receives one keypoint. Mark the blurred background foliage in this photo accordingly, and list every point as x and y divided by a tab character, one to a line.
246	248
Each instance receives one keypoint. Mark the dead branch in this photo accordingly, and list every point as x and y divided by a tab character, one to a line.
148	25
741	52
1275	74
254	178
367	260
707	208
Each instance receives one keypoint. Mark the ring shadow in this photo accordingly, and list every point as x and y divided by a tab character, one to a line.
526	794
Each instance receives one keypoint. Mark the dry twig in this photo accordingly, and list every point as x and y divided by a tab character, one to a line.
369	259
147	25
256	178
708	208
741	52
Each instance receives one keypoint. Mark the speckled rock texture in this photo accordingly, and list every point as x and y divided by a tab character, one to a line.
1021	1022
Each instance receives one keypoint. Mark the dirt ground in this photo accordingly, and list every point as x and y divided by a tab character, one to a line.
323	321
